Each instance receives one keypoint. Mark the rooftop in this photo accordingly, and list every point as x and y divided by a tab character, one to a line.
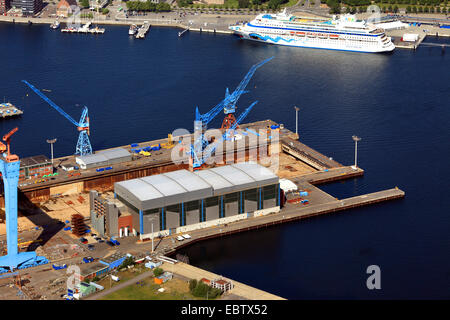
104	156
35	160
114	257
182	186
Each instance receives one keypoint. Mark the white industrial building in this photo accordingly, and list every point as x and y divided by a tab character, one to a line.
103	158
181	200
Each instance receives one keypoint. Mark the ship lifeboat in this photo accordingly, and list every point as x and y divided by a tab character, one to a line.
334	36
322	35
311	35
300	34
292	33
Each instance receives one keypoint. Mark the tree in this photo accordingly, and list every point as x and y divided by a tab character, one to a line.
85	3
192	284
157	272
243	3
334	5
127	262
395	8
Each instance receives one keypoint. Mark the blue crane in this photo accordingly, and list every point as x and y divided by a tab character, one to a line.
10	170
83	145
198	161
228	104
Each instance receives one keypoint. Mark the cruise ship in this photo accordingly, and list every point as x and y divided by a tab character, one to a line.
343	33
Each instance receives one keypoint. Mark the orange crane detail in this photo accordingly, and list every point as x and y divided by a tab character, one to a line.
7	138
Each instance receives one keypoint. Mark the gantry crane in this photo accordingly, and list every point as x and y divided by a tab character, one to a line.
10	167
228	105
83	145
199	158
231	99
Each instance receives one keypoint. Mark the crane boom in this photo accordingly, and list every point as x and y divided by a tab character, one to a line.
230	100
51	103
197	162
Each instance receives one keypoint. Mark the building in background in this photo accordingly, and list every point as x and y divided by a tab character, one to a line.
181	201
103	158
29	7
4	6
35	167
65	8
109	217
222	284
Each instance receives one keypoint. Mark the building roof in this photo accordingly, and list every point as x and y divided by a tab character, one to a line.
66	3
104	156
114	257
90	268
35	160
183	186
115	153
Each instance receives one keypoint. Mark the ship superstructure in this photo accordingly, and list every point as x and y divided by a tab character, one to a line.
343	33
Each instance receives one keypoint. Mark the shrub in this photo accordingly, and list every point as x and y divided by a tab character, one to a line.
192	284
202	290
127	262
157	272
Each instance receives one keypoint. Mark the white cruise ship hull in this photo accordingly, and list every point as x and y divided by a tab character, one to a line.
345	33
316	43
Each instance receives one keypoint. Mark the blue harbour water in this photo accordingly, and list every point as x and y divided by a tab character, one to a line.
141	90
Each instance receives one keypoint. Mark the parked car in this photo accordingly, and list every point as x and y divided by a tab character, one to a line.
110	243
83	240
186	236
91	247
115	242
180	238
88	259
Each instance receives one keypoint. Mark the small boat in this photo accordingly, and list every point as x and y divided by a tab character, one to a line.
133	29
54	25
59	266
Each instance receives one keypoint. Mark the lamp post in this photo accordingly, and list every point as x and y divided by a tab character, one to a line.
51	141
356	139
153	248
296	121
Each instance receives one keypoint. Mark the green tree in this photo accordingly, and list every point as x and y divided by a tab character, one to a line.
84	3
243	3
335	6
192	284
157	272
127	262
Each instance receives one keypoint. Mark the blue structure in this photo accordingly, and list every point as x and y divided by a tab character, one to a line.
199	157
228	105
113	261
83	145
9	167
